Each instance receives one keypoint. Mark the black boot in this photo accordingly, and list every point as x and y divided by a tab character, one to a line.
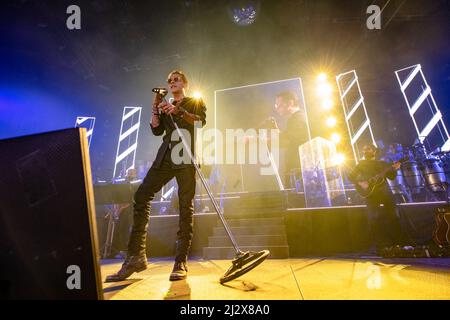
179	271
131	265
182	249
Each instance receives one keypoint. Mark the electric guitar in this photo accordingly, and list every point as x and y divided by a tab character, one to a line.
366	187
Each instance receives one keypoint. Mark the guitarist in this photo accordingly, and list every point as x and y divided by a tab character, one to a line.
383	221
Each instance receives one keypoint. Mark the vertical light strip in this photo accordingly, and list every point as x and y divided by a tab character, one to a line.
433	122
354	137
419	101
360	131
350	86
89	124
367	116
446	146
355	108
437	118
410	78
125	136
347	122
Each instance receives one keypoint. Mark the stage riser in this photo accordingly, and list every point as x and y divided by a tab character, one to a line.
327	232
309	232
246	203
266	240
253	222
255	230
345	230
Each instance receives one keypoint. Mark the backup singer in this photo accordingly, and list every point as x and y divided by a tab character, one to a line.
293	132
185	112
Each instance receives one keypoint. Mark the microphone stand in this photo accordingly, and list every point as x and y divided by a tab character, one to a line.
205	184
243	261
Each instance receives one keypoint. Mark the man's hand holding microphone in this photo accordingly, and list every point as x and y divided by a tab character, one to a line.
161	104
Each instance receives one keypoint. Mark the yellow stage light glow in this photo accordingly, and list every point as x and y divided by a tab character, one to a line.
331	121
336	138
197	95
338	160
328	104
324	90
322	77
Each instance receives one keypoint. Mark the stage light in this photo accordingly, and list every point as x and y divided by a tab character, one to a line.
331	121
322	77
197	95
338	160
336	138
324	90
328	104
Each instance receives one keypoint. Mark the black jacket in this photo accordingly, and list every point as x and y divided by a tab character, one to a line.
367	169
294	135
194	106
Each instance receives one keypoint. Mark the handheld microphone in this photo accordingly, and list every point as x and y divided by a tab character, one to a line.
161	91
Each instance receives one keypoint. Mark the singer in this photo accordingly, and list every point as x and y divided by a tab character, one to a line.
185	111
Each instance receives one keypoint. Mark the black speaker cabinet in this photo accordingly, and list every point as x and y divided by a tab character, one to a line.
48	239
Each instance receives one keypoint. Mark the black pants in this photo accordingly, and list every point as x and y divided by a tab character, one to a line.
122	231
154	181
384	224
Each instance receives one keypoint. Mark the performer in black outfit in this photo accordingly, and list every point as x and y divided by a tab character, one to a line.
293	134
124	221
185	112
383	221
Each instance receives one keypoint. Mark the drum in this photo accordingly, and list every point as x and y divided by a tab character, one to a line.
396	148
434	174
445	159
412	176
420	152
398	184
408	154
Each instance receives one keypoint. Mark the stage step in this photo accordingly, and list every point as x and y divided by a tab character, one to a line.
222	253
251	235
256	240
252	222
251	231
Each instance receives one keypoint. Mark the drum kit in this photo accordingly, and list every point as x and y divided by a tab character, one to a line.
424	175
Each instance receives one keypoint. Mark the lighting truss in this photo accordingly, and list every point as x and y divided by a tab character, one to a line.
346	82
127	142
416	104
89	124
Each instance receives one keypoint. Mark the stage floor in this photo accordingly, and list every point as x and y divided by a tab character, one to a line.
332	278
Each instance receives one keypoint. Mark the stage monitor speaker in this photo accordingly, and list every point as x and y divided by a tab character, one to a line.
48	236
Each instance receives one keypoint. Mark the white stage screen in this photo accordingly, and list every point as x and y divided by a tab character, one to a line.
249	107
